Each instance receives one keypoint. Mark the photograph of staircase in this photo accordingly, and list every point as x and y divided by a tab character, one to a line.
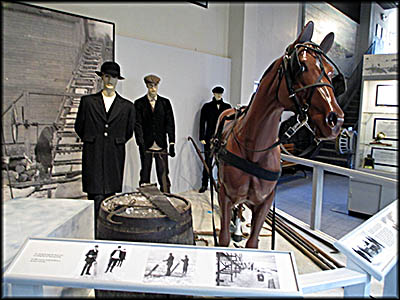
49	63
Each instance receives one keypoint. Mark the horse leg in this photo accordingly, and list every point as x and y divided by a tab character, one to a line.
225	205
259	214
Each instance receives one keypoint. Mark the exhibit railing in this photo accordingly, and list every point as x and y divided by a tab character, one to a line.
318	182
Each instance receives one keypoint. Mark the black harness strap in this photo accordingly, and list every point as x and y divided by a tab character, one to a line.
247	166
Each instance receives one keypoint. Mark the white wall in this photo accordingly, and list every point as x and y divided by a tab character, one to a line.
268	29
187	78
178	24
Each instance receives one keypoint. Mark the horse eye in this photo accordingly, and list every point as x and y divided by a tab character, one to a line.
303	68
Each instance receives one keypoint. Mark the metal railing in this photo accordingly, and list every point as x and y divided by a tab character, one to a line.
318	182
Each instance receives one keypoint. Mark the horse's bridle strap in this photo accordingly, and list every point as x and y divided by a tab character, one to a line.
247	166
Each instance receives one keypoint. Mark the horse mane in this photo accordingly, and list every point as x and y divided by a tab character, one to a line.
268	70
262	77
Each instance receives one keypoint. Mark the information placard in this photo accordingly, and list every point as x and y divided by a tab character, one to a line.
385	157
160	268
373	244
388	126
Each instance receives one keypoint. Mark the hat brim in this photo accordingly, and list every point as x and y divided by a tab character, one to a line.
101	74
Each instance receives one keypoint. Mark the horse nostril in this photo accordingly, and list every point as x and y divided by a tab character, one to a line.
332	119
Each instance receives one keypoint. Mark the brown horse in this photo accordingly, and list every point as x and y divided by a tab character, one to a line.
300	81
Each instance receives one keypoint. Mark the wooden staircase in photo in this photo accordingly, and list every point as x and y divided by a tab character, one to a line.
68	149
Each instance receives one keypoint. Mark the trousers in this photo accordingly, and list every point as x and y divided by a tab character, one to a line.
162	170
97	198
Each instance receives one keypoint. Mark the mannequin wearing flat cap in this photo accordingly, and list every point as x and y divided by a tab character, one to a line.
208	121
155	120
105	122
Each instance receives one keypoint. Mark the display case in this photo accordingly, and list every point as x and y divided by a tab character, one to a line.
377	145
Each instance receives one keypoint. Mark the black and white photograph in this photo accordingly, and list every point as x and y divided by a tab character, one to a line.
256	270
369	248
327	18
103	261
49	60
170	267
90	267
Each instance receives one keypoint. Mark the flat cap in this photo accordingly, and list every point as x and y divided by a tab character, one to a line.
151	79
218	90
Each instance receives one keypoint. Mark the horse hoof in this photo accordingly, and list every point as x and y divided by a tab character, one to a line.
236	238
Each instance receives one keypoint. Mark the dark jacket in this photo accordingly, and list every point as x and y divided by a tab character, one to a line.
91	256
154	126
209	117
104	136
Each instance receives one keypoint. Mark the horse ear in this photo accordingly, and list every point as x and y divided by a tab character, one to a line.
327	42
306	34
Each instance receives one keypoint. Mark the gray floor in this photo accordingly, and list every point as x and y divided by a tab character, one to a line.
294	196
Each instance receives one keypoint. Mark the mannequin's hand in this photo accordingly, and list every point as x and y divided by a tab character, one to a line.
203	142
171	151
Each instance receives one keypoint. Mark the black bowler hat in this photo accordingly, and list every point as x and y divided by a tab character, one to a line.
218	90
110	68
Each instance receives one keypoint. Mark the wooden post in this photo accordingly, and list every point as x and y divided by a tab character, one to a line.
27	140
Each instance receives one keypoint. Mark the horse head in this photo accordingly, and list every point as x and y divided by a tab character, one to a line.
313	82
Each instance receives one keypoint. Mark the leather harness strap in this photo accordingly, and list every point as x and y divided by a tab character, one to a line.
247	166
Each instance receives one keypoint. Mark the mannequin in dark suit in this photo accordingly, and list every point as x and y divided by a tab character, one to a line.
155	120
105	122
208	122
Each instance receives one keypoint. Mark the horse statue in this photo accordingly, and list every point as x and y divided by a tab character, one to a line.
246	144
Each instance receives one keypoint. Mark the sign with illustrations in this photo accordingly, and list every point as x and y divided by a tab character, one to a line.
373	245
191	270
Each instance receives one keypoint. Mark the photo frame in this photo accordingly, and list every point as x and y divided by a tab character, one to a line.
386	95
385	157
387	126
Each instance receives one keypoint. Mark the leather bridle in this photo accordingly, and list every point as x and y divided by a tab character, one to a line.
290	69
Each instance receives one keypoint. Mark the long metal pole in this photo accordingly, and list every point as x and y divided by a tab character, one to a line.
317	193
299	246
309	244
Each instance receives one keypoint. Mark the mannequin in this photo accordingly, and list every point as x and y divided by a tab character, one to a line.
208	122
105	122
155	120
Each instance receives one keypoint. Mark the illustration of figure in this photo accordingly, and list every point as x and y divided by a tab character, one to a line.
90	259
122	255
114	258
185	264
170	261
44	151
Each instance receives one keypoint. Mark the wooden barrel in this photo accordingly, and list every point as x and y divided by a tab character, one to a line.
136	219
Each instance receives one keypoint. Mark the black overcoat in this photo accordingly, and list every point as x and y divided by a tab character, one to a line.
209	116
154	126
104	136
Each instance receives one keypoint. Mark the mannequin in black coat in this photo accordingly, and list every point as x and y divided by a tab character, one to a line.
105	122
208	122
155	121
